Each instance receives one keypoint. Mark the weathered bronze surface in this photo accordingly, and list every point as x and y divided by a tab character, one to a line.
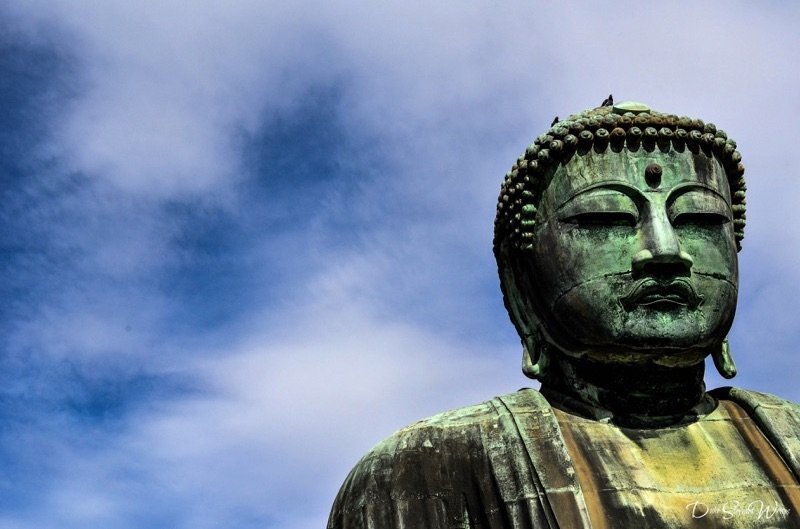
616	241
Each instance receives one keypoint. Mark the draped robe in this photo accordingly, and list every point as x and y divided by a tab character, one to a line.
505	464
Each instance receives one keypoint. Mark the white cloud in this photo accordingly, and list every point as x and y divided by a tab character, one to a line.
168	88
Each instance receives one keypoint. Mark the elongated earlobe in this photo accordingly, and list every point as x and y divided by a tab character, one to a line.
534	356
723	360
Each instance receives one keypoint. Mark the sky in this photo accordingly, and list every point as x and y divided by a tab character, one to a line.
242	242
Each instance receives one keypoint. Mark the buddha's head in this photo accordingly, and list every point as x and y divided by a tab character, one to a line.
616	239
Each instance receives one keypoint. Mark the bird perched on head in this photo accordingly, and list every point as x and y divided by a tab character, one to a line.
608	102
555	120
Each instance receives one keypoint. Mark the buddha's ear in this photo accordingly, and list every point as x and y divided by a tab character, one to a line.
534	346
534	357
723	360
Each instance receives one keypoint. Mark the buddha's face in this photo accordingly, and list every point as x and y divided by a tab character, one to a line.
634	257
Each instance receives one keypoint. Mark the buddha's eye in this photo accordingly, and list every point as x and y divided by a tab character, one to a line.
697	218
600	207
603	218
699	208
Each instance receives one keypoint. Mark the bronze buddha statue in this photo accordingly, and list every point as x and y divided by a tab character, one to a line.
616	240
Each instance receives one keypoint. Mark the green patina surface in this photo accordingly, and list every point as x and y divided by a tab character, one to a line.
616	240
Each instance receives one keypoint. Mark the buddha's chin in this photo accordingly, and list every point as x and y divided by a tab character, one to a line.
665	358
688	341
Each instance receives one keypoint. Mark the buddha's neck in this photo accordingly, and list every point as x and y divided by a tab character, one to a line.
628	395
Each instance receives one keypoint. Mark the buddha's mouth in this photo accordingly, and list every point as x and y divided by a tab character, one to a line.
661	295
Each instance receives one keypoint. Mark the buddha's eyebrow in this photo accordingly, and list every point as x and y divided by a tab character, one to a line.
681	189
613	185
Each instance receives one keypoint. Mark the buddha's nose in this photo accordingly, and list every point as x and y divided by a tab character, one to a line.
661	254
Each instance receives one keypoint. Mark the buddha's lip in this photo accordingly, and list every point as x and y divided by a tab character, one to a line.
661	295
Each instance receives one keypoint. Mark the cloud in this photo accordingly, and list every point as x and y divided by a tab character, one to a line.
166	93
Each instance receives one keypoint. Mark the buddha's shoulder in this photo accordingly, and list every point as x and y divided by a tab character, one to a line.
777	417
452	439
428	437
433	457
757	400
461	426
429	467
